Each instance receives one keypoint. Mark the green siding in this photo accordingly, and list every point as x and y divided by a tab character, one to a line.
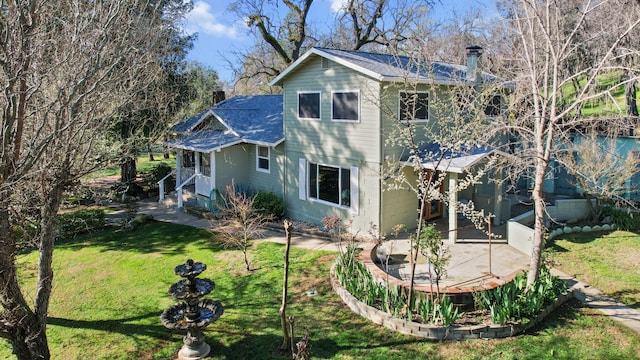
262	181
231	165
343	144
238	163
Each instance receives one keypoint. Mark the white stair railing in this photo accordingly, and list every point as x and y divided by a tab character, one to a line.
161	184
179	190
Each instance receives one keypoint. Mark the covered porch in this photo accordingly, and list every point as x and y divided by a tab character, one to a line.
487	197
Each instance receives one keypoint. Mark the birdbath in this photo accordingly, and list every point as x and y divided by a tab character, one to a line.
192	314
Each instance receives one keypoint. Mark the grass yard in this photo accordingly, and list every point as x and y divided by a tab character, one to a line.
142	165
111	287
609	262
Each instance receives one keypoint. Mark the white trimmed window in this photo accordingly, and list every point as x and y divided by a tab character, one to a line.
345	106
263	158
309	105
413	106
332	185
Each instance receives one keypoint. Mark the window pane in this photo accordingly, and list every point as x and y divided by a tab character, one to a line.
345	106
263	151
309	105
328	189
414	106
263	163
345	183
313	180
493	106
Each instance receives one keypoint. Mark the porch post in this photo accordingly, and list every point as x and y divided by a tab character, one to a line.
212	170
497	205
197	156
178	167
453	206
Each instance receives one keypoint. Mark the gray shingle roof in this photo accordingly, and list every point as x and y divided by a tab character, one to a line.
393	68
432	156
255	119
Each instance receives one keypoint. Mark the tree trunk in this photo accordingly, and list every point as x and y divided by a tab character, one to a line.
538	227
128	171
632	105
150	152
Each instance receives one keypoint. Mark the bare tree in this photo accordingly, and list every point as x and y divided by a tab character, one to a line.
242	221
548	36
65	67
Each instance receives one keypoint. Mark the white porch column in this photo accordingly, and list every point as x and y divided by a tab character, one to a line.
197	156
453	206
497	205
212	170
178	167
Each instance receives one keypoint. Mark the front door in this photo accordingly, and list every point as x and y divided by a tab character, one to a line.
435	208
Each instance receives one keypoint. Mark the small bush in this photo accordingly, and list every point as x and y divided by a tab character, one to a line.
624	220
156	174
268	203
79	222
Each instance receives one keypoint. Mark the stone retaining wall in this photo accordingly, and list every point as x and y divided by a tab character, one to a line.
433	332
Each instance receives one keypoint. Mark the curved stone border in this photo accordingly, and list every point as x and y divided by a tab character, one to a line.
433	332
366	257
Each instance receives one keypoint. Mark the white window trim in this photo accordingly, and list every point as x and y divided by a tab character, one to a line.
400	92
319	103
268	158
304	172
359	109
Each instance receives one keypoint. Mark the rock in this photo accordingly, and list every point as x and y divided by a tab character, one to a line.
577	229
597	228
567	230
586	228
606	227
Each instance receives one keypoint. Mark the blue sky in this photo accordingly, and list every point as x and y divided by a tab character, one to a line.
219	31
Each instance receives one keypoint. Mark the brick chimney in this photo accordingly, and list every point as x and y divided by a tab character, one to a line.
474	68
218	95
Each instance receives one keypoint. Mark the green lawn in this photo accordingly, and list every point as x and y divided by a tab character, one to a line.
111	287
142	165
609	262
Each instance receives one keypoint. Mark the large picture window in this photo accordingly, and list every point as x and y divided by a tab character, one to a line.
329	183
414	106
345	106
262	158
309	105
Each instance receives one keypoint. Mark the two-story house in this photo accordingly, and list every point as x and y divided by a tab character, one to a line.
338	110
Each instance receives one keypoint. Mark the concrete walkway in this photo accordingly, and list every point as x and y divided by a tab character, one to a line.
590	296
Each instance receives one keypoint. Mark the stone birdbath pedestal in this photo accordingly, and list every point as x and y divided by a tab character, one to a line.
192	314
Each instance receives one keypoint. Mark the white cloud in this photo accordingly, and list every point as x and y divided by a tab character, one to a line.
337	5
203	20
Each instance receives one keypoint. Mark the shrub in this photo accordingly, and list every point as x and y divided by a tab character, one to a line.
156	174
624	220
268	203
79	222
510	302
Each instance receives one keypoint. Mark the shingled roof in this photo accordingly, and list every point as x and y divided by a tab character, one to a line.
392	68
255	119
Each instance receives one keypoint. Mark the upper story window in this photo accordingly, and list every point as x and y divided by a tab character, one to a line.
494	103
309	105
345	106
263	158
414	106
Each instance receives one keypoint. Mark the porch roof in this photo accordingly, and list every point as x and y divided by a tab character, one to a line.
242	119
433	157
205	141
